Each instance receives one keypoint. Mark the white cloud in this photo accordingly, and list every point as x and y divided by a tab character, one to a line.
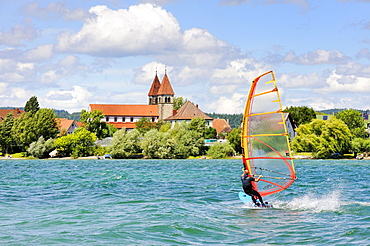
229	105
303	3
52	10
345	84
12	71
19	33
41	53
65	67
72	100
146	73
301	80
140	30
238	71
318	56
13	97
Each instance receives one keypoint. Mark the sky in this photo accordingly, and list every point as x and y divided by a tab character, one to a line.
74	53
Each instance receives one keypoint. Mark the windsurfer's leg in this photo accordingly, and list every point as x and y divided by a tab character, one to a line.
248	191
256	193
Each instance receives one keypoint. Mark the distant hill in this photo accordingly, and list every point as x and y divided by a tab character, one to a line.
235	120
337	110
60	113
64	114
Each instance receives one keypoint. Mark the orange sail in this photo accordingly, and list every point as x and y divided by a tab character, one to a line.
265	140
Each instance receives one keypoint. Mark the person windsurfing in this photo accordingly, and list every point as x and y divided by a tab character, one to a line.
248	188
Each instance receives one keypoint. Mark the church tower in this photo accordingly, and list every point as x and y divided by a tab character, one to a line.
153	92
162	94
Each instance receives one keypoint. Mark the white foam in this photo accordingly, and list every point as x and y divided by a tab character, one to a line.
312	202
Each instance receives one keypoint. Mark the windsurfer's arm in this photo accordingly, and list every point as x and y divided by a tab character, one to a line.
258	179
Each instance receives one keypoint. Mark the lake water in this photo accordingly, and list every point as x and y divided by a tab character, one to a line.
178	202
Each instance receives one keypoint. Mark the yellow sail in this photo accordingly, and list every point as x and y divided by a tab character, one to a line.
265	140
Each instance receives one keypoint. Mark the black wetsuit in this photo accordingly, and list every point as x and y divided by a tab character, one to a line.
248	189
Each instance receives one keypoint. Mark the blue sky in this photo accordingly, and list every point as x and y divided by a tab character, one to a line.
73	53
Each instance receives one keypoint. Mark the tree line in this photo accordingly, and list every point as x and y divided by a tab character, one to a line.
344	133
36	133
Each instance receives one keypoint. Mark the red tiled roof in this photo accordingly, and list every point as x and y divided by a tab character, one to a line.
126	110
221	125
65	123
189	111
166	88
155	87
16	113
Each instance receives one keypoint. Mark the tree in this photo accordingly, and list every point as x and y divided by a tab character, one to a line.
178	102
78	144
301	115
210	132
23	130
234	138
352	118
45	123
151	143
6	137
360	145
41	148
92	121
32	105
143	125
220	150
29	127
322	138
125	144
197	124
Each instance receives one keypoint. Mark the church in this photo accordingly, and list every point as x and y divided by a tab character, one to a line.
160	107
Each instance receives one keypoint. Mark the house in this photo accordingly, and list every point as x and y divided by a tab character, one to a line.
66	126
290	125
16	113
221	126
161	96
126	116
187	112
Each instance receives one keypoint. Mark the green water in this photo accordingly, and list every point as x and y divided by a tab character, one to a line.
178	202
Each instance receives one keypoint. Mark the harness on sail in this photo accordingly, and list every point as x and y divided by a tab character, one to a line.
265	139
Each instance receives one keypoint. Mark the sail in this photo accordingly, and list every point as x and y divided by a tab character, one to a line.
265	140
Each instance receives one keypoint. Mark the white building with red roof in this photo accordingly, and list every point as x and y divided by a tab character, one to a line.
161	99
66	126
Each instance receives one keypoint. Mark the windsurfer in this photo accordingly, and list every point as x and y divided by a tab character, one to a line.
248	188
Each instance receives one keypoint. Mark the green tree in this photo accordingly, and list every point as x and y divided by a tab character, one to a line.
197	124
220	150
125	144
210	133
352	118
41	148
322	138
151	143
78	144
32	105
6	137
45	124
23	130
92	121
360	145
234	138
178	102
29	127
301	115
143	125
